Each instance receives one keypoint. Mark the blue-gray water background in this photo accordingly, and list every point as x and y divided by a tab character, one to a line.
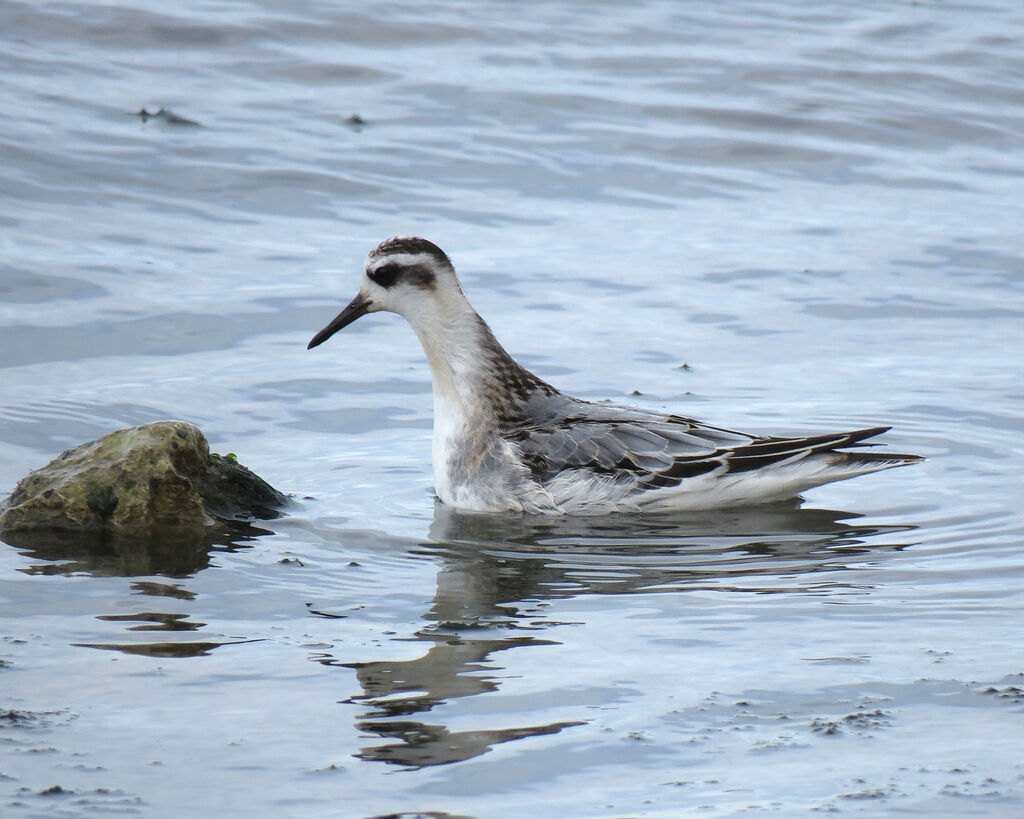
818	207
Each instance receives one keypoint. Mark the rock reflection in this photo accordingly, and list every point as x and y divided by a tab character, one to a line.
498	571
170	552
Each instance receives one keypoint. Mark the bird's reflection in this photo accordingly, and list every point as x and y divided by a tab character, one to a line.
453	667
497	573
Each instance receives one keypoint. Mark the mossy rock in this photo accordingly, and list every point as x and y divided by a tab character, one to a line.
139	479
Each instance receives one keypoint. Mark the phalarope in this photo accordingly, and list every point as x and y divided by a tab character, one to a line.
506	440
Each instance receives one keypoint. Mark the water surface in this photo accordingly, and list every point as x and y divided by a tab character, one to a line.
817	210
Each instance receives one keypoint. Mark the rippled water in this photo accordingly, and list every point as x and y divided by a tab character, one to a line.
817	208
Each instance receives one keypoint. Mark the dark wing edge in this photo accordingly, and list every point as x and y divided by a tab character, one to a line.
768	451
775	450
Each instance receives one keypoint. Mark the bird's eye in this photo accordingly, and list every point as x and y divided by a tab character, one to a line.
386	275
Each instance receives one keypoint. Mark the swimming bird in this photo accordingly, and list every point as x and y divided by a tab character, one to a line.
505	439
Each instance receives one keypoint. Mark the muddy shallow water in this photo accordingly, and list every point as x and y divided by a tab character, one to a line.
817	212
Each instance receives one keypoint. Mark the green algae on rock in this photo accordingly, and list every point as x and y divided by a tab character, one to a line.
137	479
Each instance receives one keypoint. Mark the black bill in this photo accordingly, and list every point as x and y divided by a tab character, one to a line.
359	306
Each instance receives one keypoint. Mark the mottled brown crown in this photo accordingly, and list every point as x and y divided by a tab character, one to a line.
412	245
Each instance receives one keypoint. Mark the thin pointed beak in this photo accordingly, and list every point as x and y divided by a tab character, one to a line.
359	306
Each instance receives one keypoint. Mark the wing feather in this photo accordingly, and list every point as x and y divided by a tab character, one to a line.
654	450
562	433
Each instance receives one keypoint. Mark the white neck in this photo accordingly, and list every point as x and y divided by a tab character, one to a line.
457	343
454	339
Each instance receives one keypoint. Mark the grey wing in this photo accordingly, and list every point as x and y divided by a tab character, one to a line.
562	433
655	449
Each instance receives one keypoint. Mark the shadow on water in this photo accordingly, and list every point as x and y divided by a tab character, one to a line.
498	572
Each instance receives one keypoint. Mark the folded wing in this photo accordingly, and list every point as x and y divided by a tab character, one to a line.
650	449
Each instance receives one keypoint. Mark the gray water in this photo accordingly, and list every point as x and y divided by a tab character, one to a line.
817	207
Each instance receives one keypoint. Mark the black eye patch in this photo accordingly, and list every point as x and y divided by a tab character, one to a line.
388	275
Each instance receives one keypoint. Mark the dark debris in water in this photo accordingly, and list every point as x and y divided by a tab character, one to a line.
872	793
166	115
55	790
20	718
330	769
101	800
328	614
433	814
860	722
15	718
1013	693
